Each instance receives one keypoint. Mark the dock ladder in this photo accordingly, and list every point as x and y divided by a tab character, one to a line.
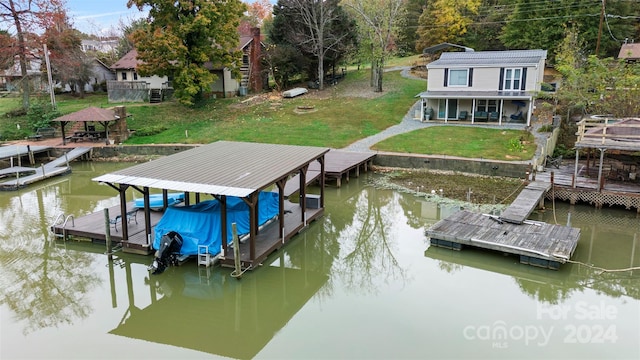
64	220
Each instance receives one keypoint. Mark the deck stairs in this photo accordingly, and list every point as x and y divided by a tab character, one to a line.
245	72
155	96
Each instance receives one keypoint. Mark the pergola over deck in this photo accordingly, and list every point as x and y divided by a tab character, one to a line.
224	169
607	134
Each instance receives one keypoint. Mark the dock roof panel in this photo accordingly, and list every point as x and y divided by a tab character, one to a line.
221	168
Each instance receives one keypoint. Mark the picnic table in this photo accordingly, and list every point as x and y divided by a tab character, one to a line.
87	136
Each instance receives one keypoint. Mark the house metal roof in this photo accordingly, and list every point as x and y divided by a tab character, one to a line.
507	95
489	58
221	168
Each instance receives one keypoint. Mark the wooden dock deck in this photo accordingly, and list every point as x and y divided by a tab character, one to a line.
340	164
269	239
53	168
528	199
20	151
92	228
537	243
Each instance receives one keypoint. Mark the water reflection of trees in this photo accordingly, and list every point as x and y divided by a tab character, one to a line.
43	284
368	242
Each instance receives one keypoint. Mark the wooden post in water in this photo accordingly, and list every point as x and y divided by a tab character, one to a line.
107	233
236	250
32	161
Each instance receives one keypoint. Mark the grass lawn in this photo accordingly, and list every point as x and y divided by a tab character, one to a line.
462	141
340	116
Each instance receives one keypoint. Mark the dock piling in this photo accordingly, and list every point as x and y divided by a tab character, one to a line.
107	234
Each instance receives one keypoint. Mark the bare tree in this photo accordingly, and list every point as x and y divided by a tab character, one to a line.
316	26
380	19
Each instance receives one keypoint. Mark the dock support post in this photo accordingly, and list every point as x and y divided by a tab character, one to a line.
107	233
236	251
32	161
575	170
600	169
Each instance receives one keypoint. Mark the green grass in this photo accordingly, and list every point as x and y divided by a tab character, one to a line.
18	127
468	142
338	120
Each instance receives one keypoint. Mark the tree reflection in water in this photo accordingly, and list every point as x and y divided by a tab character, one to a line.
41	283
369	242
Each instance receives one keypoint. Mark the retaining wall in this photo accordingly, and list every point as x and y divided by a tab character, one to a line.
473	166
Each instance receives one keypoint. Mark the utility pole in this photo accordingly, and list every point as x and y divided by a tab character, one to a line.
604	2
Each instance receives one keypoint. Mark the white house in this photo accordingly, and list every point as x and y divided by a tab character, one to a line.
483	86
126	70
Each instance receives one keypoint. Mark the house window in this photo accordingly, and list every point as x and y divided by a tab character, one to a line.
135	75
458	77
124	76
487	105
512	79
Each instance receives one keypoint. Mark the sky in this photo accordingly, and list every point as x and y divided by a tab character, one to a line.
98	17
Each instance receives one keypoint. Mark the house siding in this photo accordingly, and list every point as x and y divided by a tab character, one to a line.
484	94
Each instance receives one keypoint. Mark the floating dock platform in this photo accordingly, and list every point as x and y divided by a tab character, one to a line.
537	243
53	168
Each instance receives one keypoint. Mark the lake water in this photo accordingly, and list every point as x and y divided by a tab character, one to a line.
362	282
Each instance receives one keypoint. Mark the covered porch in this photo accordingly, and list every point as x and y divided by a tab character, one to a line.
498	107
618	137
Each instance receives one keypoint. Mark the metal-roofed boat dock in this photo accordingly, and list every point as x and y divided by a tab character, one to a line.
237	169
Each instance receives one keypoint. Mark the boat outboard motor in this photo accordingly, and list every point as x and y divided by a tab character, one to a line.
170	245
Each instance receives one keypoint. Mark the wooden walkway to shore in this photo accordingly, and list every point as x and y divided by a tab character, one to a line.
48	170
527	201
339	164
537	243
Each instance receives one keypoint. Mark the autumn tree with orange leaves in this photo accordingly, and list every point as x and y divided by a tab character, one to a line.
27	17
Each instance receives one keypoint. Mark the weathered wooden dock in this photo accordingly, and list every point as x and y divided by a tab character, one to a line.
53	168
92	227
17	152
537	243
529	198
338	165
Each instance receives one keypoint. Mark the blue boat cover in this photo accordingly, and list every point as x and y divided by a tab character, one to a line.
200	224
